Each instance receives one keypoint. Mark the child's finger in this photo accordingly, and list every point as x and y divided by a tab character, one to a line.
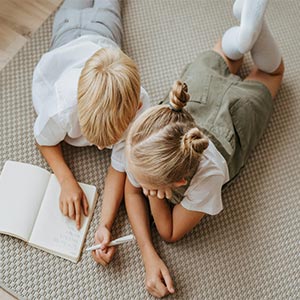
85	205
71	211
98	258
168	193
111	252
61	206
154	292
160	194
146	192
108	254
78	214
105	241
168	281
65	208
160	289
153	193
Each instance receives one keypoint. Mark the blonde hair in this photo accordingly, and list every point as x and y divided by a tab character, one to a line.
164	142
108	96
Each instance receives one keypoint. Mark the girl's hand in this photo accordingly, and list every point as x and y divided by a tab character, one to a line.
160	193
72	199
158	279
105	254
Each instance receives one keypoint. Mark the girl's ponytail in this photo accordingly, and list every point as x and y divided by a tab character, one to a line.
194	142
178	96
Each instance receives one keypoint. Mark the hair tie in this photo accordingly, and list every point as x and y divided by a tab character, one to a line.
173	108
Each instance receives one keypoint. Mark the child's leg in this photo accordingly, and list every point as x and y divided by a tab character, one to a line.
233	65
107	3
66	25
230	43
77	4
240	39
230	38
237	8
78	18
65	11
104	18
269	67
271	80
265	52
252	17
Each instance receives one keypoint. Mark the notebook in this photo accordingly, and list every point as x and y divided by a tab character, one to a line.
29	210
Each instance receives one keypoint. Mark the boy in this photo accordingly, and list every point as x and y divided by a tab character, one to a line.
86	91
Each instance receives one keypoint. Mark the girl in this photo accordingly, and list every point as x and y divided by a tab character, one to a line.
187	149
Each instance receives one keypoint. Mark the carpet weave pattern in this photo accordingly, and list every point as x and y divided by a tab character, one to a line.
251	249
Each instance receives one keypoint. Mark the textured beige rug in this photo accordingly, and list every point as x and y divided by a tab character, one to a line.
250	250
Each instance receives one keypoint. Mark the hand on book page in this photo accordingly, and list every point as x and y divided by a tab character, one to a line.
72	201
29	210
53	231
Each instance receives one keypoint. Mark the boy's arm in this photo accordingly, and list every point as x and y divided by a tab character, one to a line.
173	224
112	198
158	280
72	198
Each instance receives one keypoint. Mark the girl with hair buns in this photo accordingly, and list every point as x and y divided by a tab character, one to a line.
182	153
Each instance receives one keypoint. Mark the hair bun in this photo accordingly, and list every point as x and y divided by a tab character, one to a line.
179	95
194	141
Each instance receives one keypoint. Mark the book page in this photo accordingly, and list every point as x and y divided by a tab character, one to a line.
54	231
22	187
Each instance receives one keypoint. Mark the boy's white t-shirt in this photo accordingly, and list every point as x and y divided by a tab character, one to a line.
204	191
54	94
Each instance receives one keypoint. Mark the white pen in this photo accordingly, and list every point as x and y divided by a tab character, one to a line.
121	240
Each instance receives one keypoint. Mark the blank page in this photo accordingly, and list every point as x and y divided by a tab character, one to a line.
54	231
22	187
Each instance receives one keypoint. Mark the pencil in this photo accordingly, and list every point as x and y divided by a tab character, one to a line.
119	241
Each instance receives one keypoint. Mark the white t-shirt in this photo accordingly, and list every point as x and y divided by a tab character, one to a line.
54	94
204	192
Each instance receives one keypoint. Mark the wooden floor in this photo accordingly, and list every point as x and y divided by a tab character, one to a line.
19	19
5	295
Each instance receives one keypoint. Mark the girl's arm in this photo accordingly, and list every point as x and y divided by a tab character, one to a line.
158	280
112	198
173	224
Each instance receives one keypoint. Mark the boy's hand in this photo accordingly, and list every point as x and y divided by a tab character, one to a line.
105	254
158	279
72	199
160	193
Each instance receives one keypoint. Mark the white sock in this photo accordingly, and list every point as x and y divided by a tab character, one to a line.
237	8
265	52
230	43
252	17
239	40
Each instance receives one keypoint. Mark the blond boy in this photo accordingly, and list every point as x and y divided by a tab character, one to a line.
86	91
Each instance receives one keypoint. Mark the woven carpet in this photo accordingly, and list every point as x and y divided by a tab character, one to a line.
251	249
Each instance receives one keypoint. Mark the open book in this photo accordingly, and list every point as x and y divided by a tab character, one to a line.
29	210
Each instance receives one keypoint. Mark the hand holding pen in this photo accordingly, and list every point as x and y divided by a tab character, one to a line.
119	241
